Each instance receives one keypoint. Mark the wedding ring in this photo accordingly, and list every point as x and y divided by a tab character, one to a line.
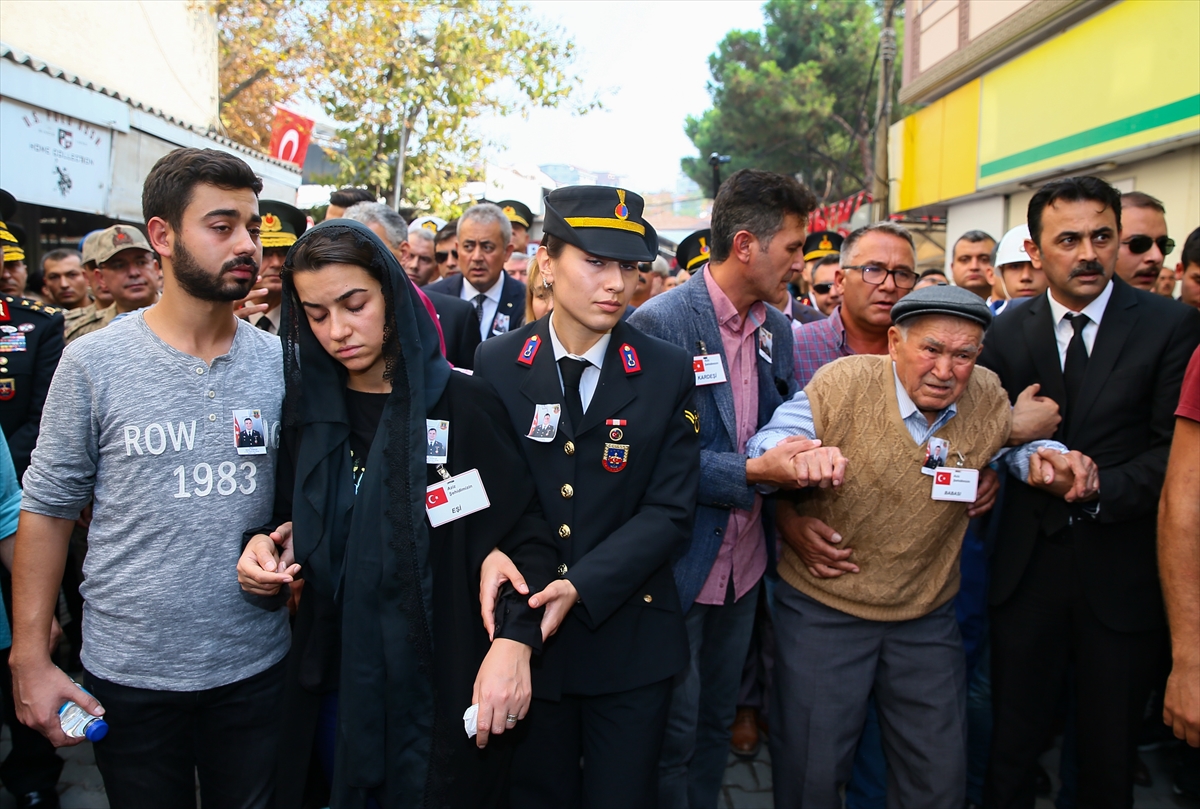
511	718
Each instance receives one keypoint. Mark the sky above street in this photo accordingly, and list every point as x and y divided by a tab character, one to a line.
648	61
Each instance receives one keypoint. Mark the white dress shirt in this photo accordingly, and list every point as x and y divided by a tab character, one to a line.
591	374
489	306
1064	331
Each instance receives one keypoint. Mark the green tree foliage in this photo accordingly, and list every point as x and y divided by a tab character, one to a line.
797	97
405	81
264	56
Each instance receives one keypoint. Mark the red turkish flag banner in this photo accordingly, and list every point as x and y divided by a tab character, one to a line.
289	136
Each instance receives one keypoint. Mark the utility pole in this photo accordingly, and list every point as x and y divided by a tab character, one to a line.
883	113
715	160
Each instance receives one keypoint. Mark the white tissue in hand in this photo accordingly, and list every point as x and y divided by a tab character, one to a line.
471	721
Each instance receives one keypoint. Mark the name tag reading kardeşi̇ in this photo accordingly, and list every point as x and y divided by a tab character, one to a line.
708	368
456	497
957	485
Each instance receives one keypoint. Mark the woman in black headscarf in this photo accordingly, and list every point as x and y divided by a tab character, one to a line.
388	638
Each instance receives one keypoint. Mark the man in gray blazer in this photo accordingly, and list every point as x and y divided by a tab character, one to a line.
742	349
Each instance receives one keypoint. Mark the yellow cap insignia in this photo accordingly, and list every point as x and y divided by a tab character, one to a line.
271	223
825	244
622	210
703	247
430	226
510	211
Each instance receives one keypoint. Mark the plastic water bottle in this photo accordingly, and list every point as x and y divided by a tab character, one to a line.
78	723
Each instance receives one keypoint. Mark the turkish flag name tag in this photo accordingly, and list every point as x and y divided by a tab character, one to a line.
957	485
450	499
708	368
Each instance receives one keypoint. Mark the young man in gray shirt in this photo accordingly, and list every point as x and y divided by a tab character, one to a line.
143	419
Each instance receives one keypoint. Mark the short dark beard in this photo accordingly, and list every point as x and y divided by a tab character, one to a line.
200	284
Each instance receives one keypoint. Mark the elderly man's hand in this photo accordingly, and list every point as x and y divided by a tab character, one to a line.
822	467
985	495
1033	417
814	542
1072	475
775	467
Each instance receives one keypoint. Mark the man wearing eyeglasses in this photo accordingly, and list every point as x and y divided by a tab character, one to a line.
484	245
1144	241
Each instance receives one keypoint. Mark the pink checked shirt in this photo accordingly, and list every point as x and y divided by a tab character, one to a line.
743	552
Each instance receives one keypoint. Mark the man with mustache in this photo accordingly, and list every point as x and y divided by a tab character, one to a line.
190	672
1074	588
1144	241
127	269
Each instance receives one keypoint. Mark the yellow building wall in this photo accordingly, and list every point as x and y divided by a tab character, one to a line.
1101	88
936	155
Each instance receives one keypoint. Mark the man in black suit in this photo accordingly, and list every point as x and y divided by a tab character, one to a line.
1074	587
460	329
484	244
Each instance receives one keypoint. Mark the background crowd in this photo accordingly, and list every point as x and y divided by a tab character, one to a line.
745	542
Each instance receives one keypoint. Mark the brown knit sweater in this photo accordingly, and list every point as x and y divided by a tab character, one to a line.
906	545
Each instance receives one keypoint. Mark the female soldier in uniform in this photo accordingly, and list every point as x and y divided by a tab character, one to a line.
388	650
618	484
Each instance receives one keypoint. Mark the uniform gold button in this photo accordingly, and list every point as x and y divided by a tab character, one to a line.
569	448
564	531
562	570
567	491
647	598
3	360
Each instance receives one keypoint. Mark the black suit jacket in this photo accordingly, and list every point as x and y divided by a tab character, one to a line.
618	530
512	298
460	329
1125	425
34	343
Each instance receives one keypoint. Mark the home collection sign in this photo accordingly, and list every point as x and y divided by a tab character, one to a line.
54	160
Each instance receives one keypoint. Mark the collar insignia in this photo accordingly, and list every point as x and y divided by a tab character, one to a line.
629	359
530	350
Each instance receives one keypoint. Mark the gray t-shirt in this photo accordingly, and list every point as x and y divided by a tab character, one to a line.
152	434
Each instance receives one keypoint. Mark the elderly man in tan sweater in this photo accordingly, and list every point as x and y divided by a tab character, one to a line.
889	628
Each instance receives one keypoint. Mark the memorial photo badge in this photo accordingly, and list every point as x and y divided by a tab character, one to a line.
437	439
249	432
545	423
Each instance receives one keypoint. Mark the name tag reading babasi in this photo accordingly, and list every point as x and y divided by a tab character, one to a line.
455	497
708	368
953	484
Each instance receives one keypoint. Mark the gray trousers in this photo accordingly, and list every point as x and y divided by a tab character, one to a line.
827	664
704	703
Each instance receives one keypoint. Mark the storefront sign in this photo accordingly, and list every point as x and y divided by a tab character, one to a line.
54	160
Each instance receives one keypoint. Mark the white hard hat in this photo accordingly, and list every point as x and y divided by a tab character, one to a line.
430	223
1011	249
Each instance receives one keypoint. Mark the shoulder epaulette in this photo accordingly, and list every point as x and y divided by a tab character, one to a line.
32	305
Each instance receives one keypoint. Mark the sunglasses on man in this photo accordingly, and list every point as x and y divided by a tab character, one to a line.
442	255
1141	243
822	289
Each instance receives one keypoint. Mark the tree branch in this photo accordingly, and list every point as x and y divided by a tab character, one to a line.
239	88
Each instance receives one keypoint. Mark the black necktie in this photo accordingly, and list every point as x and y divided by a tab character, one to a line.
479	299
572	371
1075	368
265	324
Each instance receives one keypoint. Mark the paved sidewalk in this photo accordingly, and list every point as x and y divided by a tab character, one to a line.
747	782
